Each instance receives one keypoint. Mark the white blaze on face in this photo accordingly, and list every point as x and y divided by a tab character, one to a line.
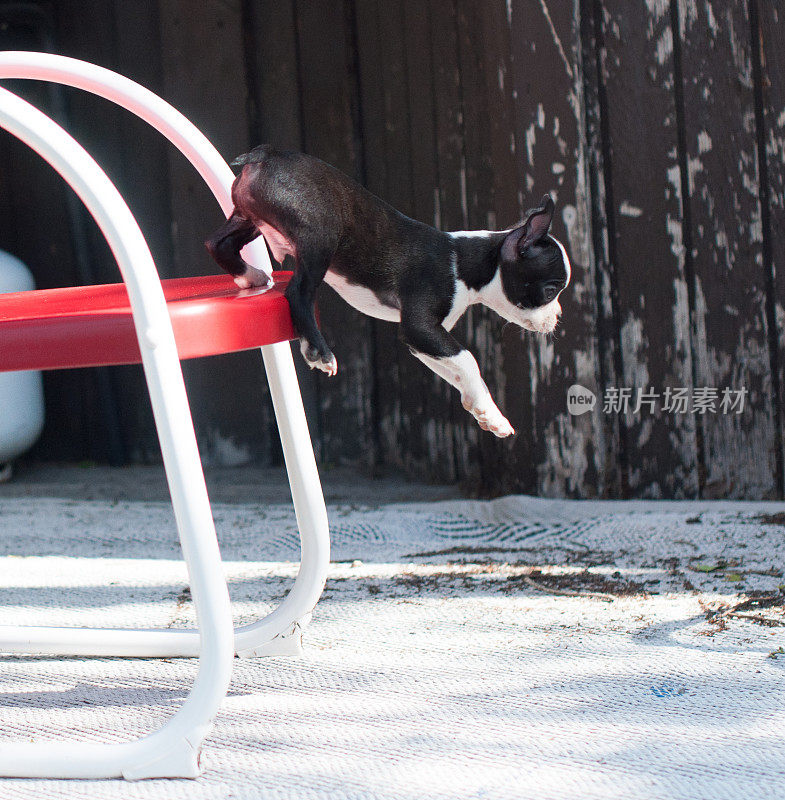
538	320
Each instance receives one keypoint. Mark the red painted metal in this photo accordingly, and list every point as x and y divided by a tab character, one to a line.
90	326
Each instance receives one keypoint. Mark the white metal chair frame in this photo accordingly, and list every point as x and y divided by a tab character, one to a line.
173	750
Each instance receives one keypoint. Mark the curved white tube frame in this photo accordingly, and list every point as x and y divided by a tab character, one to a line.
280	631
174	749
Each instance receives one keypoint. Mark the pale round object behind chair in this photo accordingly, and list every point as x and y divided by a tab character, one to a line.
21	393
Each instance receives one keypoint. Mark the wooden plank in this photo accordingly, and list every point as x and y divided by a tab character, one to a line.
609	463
646	241
373	55
414	406
137	54
204	77
439	401
731	342
491	191
400	67
451	211
270	36
328	93
273	73
769	73
551	156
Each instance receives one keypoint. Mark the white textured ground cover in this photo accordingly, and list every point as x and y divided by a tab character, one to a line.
434	668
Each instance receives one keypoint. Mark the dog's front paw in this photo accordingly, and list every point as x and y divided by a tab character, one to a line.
489	418
498	427
327	364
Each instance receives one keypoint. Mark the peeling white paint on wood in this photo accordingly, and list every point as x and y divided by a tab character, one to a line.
531	140
704	142
664	49
674	230
657	8
634	344
556	40
629	210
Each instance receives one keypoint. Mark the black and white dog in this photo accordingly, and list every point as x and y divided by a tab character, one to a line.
389	266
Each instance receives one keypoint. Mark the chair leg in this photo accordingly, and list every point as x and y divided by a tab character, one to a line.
173	750
294	611
280	632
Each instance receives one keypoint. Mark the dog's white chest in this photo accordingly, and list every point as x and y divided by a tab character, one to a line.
361	298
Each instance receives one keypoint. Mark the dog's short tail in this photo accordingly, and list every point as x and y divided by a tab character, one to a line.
253	157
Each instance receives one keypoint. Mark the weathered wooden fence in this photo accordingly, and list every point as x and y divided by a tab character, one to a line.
658	126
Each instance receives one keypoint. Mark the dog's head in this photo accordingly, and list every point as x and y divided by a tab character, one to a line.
533	270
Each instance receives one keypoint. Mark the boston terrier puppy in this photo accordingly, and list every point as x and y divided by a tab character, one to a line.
389	266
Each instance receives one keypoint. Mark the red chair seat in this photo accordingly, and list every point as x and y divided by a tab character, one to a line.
90	326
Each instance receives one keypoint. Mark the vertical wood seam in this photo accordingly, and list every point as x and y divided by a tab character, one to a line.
768	258
686	213
603	347
610	222
377	457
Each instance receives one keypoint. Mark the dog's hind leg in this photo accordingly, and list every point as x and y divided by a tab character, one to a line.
225	246
301	294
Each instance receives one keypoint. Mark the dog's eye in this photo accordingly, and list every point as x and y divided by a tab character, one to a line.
550	290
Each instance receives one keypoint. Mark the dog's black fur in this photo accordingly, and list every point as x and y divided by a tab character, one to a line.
327	221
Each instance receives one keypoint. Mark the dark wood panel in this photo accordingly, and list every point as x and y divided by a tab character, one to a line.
437	399
328	92
380	78
419	423
395	63
204	77
643	199
769	74
491	191
145	187
270	42
99	126
731	341
451	211
611	480
551	156
463	115
270	36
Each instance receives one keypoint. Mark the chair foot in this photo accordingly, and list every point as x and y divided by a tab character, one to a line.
179	761
164	754
287	643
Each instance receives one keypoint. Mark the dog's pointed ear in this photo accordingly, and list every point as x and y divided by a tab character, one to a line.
531	230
